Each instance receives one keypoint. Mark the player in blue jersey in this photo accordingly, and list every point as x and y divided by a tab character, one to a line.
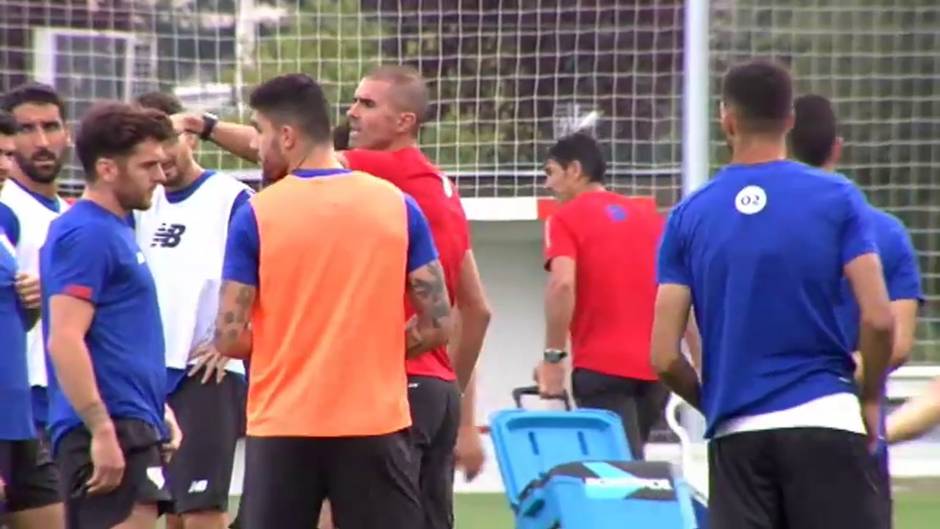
28	495
107	414
814	141
762	250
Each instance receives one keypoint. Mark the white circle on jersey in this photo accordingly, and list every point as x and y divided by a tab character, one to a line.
750	200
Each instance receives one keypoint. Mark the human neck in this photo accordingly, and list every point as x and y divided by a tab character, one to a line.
588	187
402	142
317	158
106	200
749	150
47	189
190	176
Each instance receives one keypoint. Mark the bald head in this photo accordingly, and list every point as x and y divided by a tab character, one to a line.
409	92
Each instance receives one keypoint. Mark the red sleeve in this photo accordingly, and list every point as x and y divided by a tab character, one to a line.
559	239
377	163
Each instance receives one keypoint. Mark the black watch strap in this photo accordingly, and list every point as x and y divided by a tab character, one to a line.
209	121
554	356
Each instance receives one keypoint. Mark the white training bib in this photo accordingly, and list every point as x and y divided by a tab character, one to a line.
34	218
184	244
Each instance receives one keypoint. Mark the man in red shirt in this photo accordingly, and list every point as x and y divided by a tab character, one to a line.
600	252
389	108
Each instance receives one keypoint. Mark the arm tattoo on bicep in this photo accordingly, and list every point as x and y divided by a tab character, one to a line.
429	293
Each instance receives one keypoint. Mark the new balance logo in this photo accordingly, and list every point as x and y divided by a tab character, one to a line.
198	486
168	235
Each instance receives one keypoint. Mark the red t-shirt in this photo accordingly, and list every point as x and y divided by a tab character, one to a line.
411	171
613	240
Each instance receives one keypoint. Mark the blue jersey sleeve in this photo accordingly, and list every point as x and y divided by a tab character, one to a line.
79	262
902	273
9	224
857	236
421	249
242	248
237	203
672	264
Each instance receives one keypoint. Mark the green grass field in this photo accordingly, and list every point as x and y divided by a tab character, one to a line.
917	506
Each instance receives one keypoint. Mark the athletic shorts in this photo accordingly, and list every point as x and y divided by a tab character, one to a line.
639	403
795	478
435	413
29	474
212	417
371	482
143	481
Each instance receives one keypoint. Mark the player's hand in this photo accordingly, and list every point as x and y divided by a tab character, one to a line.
468	453
210	361
3	490
551	379
859	370
871	414
27	286
169	448
187	122
108	461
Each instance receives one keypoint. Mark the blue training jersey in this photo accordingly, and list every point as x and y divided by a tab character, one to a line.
762	248
16	414
902	277
91	254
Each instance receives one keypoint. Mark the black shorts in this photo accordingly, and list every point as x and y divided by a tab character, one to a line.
371	482
435	412
796	478
639	403
212	417
29	474
143	481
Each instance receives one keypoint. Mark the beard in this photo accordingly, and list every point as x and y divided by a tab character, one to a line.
34	173
273	166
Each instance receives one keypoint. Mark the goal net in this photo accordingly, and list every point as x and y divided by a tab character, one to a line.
509	76
506	77
878	61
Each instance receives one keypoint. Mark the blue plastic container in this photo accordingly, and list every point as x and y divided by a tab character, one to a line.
535	451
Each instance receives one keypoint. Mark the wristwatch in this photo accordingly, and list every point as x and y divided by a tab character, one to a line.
554	356
209	121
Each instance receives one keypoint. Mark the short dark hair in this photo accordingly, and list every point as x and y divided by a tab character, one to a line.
8	125
814	130
169	104
295	98
761	92
32	92
111	129
582	148
341	136
412	94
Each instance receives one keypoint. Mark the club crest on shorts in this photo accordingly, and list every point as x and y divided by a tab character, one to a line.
750	200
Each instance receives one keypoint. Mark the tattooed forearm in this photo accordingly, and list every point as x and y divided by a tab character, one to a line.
232	322
428	294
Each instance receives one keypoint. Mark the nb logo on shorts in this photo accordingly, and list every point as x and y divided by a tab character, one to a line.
168	235
198	486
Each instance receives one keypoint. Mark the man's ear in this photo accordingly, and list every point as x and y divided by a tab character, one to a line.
288	136
106	170
407	121
835	155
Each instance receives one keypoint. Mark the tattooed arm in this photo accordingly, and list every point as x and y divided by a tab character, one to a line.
430	328
232	328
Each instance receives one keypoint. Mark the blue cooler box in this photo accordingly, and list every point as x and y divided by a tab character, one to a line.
572	470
